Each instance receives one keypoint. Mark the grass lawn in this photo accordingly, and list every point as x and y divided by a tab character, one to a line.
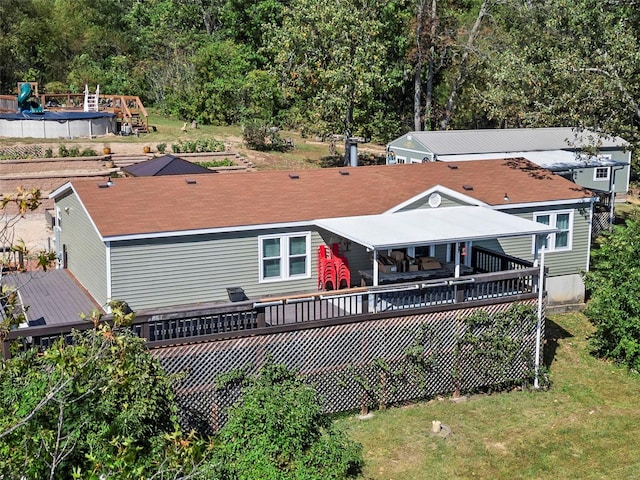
308	153
584	427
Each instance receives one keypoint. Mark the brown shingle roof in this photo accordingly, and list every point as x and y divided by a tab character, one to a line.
149	205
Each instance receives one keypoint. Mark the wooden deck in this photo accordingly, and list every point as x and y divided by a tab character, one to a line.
54	297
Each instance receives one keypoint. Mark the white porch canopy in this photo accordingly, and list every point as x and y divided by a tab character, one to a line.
431	226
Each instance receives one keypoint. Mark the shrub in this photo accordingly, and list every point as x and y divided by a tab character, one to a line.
259	136
216	163
88	152
278	431
614	287
161	147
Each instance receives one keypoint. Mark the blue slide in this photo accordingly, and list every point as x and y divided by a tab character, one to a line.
26	102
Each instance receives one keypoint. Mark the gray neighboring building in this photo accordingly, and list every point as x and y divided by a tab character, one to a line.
560	150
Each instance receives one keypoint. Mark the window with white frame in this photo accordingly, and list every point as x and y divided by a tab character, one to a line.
601	174
285	257
559	241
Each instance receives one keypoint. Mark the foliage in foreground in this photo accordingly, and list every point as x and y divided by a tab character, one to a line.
614	305
280	432
103	406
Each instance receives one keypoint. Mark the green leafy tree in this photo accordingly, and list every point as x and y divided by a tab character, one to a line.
278	431
331	59
561	62
614	303
100	407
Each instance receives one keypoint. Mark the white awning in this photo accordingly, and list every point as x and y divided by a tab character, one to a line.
431	226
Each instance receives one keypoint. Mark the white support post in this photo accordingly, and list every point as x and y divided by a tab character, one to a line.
375	268
536	382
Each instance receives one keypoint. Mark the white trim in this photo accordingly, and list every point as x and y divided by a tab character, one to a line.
551	238
601	179
108	270
284	257
421	152
545	204
69	186
229	229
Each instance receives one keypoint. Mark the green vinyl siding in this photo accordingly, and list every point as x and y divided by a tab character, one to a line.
561	262
445	201
584	177
86	252
163	272
409	148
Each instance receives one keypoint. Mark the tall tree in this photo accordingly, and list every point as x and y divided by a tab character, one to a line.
560	62
331	60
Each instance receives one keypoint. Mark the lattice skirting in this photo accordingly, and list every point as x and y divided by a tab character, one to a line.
377	362
22	151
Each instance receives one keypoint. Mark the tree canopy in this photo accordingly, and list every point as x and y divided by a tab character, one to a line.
371	68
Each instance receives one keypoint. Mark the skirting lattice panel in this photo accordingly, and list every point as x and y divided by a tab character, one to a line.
376	362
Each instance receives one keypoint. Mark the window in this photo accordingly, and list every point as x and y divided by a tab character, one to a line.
559	241
601	174
284	257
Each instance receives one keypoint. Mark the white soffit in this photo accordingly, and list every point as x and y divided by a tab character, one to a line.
431	226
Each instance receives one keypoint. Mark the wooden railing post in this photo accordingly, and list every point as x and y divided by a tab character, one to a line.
6	349
260	318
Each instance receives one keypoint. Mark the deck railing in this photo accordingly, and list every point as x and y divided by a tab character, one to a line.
216	321
485	261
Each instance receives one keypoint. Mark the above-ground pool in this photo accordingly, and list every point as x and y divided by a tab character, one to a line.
56	124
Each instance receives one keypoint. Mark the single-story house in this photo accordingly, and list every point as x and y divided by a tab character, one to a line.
591	160
174	240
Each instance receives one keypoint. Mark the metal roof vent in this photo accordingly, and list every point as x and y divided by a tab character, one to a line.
343	172
293	176
452	166
467	187
190	181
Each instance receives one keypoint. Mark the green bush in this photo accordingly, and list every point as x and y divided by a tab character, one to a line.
260	136
161	147
279	431
216	163
88	152
198	146
614	287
